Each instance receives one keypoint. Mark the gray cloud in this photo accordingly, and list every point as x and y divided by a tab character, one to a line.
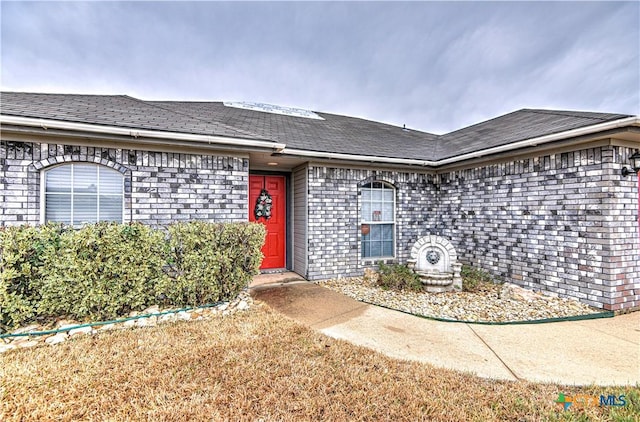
431	66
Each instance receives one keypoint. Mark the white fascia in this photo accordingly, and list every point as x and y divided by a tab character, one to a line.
281	147
138	133
355	157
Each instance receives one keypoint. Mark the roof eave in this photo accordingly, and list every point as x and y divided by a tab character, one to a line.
356	157
532	142
540	140
160	136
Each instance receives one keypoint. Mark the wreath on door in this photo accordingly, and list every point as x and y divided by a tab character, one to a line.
263	205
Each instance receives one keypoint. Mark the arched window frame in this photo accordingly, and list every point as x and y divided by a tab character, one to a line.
378	217
100	169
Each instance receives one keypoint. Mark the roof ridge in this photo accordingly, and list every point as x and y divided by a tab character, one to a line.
184	101
67	94
573	113
392	125
482	122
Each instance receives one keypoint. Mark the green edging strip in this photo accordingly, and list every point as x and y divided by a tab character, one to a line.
114	321
605	314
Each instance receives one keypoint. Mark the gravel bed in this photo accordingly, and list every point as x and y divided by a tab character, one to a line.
490	303
150	317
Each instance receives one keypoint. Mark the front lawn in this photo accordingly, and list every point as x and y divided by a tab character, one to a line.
257	365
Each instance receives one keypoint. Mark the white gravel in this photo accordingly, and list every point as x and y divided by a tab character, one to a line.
491	303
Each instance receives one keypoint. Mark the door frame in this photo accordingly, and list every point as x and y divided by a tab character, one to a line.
288	226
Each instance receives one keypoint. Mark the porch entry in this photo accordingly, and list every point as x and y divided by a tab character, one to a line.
267	205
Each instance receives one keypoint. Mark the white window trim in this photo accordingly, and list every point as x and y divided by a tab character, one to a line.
43	188
392	222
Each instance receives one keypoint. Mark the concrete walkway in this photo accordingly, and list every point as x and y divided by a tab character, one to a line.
602	351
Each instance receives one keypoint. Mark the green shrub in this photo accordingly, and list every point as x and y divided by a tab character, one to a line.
211	262
22	254
398	277
106	270
473	277
103	271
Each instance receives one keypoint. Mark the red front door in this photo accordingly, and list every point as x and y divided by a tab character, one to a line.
274	245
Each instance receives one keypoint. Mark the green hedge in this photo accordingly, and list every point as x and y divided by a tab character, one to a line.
211	262
22	253
102	271
106	270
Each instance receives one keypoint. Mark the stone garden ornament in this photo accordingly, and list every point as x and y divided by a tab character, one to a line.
435	261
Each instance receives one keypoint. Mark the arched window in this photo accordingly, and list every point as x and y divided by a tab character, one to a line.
377	219
79	193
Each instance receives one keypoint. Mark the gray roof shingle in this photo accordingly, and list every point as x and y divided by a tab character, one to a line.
336	134
110	110
517	126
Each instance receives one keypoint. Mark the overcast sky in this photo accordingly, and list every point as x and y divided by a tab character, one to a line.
434	66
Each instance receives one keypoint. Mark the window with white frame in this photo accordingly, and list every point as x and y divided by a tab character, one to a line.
79	193
377	219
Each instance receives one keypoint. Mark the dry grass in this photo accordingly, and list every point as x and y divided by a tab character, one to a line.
256	366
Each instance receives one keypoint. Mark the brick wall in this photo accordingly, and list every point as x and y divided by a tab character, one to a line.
160	187
621	220
334	217
564	223
19	191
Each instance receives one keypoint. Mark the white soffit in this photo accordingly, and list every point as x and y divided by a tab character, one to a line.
274	109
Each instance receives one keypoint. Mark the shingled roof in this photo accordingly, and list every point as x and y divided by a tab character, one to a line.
331	134
517	126
339	134
111	110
